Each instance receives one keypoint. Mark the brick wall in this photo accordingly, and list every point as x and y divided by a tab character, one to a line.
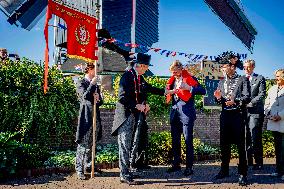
206	126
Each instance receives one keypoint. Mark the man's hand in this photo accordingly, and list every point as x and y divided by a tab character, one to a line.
230	103
96	97
147	108
140	107
275	118
169	92
185	86
250	105
94	80
217	94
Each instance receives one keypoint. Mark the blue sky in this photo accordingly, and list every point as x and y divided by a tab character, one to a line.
186	26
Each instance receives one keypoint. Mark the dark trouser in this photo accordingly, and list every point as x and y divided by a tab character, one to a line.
254	139
177	128
232	131
279	151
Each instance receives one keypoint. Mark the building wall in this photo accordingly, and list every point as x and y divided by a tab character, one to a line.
206	127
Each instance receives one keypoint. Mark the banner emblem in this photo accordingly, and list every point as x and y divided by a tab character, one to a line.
82	35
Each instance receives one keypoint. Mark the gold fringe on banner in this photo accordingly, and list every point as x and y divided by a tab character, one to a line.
80	57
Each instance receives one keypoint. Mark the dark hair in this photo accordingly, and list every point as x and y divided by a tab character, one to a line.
88	67
225	57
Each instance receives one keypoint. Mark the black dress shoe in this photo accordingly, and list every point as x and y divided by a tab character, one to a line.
250	162
130	181
134	176
275	174
173	169
144	167
257	167
243	181
188	172
221	175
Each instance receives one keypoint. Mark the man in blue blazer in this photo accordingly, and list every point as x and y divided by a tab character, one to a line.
181	89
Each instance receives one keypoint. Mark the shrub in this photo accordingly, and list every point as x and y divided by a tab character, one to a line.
109	100
268	144
61	159
160	144
104	154
8	150
107	154
160	148
16	155
24	108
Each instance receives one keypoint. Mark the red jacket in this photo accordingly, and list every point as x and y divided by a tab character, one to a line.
185	95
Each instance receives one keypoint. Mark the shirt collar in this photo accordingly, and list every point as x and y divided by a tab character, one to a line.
135	72
180	79
252	74
87	78
235	75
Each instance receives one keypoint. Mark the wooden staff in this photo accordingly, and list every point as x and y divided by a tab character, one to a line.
94	130
95	103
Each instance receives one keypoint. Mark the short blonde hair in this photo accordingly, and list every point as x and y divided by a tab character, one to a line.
281	72
250	61
176	65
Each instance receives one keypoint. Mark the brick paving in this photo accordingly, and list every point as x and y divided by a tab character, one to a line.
157	178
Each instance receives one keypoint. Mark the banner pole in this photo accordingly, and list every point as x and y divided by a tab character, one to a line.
95	104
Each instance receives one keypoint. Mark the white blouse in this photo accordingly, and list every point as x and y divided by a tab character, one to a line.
274	105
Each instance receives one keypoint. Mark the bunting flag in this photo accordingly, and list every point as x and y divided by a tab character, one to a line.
81	34
167	53
61	26
191	57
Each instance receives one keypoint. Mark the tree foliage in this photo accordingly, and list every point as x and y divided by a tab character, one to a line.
25	109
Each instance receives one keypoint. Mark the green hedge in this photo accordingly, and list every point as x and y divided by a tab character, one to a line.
160	148
16	155
104	154
25	109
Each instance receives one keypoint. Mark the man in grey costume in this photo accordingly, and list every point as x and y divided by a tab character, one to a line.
88	92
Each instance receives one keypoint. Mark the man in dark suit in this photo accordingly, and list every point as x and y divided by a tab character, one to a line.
88	93
132	101
255	115
233	94
182	88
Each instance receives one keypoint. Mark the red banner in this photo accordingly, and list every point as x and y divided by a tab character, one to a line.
81	34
